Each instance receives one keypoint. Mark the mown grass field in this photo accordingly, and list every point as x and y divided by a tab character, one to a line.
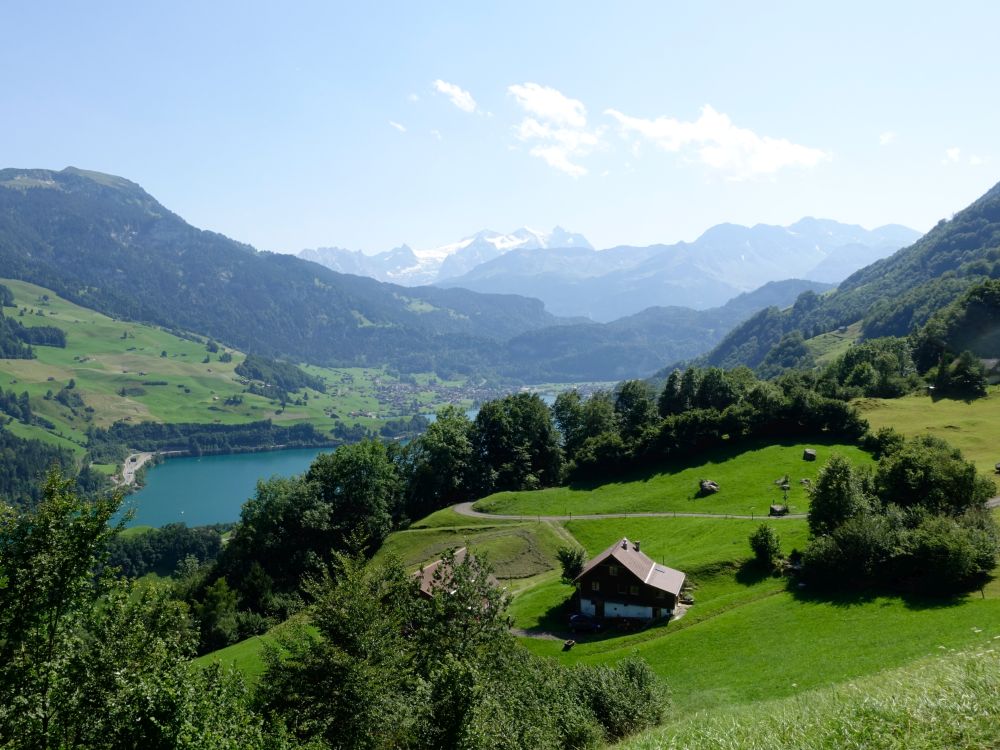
135	372
746	475
973	427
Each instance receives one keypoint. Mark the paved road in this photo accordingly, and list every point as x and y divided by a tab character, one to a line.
132	464
466	509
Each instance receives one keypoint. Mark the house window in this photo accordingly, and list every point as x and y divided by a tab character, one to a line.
595	585
633	590
612	570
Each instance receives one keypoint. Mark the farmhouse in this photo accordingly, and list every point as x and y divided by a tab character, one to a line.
433	575
622	581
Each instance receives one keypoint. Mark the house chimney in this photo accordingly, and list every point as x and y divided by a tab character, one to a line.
625	544
637	543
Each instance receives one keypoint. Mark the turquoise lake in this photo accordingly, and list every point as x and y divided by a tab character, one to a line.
210	489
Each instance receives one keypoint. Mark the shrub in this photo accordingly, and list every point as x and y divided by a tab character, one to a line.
572	560
765	544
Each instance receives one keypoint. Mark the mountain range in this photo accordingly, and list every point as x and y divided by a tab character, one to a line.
573	279
103	242
894	296
403	265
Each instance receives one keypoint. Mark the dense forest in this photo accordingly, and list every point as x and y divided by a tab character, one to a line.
23	464
198	438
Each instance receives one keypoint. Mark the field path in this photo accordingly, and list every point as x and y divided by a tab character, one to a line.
466	509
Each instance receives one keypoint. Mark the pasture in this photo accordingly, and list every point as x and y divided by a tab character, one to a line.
746	474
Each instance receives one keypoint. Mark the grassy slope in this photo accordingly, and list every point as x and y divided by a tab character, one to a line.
973	427
826	347
746	477
102	362
948	701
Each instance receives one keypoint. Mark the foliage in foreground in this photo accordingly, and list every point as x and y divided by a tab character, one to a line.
89	661
947	702
386	666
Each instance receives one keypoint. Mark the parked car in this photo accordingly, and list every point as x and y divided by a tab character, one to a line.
581	623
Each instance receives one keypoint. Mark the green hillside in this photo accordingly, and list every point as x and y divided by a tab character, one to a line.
944	701
746	475
102	241
134	372
891	297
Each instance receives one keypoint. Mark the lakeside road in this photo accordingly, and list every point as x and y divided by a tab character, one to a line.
133	463
466	509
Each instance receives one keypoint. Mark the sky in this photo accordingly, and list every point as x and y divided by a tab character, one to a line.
370	125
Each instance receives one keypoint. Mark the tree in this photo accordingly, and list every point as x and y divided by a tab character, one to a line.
516	444
968	377
765	544
361	486
669	401
442	464
572	560
836	496
929	473
91	661
635	409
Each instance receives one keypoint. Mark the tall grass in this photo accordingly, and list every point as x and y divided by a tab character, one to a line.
946	702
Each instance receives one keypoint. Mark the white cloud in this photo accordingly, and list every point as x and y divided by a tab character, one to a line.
549	104
720	144
976	161
555	127
886	138
413	98
437	135
400	128
952	155
458	96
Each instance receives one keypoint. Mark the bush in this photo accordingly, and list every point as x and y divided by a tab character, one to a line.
765	545
572	560
625	698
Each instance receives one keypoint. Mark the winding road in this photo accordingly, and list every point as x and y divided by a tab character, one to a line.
466	509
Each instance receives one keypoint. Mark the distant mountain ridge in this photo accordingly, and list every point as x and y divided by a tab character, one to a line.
103	242
725	261
892	297
403	265
574	280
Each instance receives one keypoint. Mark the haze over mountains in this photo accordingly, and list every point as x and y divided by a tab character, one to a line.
573	279
103	242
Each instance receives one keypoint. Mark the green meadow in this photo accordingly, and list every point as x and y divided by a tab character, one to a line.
972	426
745	473
134	372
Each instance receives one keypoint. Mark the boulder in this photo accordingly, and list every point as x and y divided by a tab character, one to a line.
707	487
809	454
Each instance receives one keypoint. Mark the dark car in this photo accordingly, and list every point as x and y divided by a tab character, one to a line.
581	623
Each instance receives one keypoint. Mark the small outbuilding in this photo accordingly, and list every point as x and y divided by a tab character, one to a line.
809	454
623	581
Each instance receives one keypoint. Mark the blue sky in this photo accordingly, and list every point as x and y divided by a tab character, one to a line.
366	125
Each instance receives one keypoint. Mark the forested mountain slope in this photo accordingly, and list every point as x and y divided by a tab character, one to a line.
105	243
893	296
641	343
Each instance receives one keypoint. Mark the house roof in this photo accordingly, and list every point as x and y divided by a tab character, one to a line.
426	573
640	565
